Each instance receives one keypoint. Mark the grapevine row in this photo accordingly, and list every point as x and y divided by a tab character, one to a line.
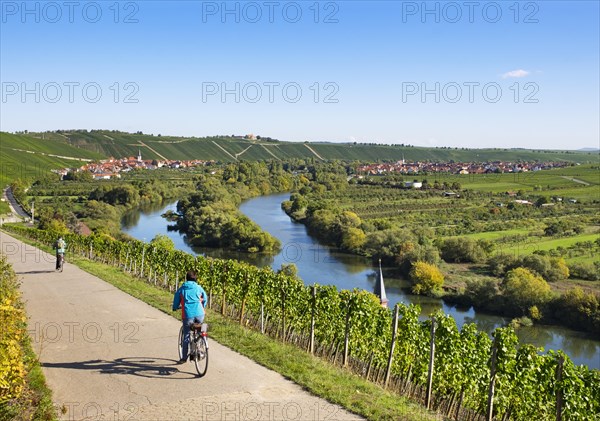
526	382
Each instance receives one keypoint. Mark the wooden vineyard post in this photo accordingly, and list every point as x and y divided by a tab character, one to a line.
431	363
388	369
490	400
312	320
346	337
559	394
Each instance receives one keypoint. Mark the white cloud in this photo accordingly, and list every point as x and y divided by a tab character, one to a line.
515	73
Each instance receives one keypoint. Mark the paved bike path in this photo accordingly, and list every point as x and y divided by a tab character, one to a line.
107	355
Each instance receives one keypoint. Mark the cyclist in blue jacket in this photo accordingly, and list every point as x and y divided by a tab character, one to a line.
191	298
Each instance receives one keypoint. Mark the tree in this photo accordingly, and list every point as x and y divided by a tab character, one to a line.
164	242
426	278
289	269
524	289
353	239
455	250
552	269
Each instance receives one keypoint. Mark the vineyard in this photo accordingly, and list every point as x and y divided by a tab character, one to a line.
461	374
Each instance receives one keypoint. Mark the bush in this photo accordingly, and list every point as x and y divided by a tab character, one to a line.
426	278
411	252
579	310
482	292
524	289
499	264
456	250
584	270
552	269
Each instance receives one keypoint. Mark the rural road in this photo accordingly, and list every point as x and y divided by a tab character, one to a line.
17	211
109	356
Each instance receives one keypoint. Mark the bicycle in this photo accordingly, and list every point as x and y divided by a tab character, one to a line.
61	262
198	347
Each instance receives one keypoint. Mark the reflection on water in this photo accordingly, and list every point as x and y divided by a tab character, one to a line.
321	264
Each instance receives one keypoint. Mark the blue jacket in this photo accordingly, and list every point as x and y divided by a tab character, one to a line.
191	298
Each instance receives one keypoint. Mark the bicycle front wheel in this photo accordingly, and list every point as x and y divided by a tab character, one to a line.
180	344
201	356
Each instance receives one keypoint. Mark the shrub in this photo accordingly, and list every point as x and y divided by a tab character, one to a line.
524	289
579	309
426	278
457	250
12	320
584	270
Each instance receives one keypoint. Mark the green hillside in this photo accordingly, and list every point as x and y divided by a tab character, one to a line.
34	154
23	156
119	144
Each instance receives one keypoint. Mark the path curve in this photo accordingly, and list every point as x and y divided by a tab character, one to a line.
107	356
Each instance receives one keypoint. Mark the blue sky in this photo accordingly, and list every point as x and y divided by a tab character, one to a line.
460	74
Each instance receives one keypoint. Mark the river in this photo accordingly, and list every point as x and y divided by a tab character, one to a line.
324	265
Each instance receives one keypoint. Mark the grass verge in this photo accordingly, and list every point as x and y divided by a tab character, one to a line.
323	379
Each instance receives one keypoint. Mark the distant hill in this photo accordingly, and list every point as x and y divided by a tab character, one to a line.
32	154
105	143
589	150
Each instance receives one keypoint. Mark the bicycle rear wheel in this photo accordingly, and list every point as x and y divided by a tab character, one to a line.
201	356
62	263
180	344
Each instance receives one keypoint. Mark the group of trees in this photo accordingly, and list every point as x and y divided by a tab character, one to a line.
523	292
552	269
63	205
210	216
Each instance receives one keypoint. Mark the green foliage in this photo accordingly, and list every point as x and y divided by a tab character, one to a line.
426	278
524	289
563	227
458	250
584	270
482	292
289	269
82	176
579	309
210	216
552	269
163	241
122	194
